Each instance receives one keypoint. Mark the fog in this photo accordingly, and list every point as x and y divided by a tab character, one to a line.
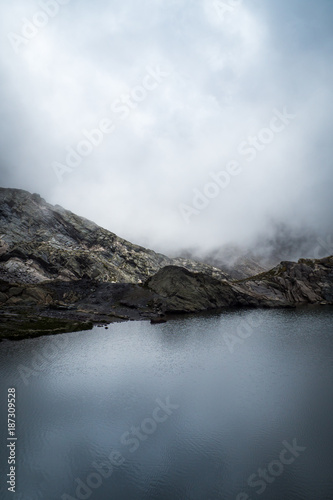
214	117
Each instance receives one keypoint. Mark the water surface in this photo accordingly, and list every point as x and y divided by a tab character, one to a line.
239	385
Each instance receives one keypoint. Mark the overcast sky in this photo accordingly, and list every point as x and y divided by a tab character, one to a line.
216	116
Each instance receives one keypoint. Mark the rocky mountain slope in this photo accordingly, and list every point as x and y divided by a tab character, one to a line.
287	285
60	272
40	242
235	262
172	289
308	281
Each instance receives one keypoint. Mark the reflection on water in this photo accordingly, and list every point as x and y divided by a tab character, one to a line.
190	409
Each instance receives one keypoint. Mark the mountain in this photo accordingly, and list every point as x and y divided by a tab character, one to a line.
235	262
40	242
283	242
287	285
61	272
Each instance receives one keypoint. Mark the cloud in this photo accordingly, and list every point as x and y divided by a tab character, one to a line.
226	75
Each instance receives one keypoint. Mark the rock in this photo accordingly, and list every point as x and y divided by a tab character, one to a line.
157	321
181	290
307	281
289	284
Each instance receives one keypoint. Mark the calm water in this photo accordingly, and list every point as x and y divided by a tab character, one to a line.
187	410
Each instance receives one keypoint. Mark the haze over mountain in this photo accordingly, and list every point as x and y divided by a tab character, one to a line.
205	88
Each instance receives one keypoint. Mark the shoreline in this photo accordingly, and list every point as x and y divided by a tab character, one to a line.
60	326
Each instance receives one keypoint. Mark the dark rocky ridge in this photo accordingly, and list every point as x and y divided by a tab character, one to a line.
171	290
287	285
81	274
309	281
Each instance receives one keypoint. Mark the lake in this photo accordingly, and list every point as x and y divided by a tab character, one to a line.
237	405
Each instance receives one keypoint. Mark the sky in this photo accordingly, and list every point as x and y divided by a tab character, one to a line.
175	124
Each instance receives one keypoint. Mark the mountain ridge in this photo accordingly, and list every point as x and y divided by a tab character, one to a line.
61	272
42	242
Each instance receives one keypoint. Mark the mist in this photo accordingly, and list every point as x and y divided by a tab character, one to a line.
176	125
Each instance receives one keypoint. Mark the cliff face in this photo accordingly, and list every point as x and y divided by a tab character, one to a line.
40	242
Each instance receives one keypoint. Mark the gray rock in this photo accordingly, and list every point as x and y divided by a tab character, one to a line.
41	242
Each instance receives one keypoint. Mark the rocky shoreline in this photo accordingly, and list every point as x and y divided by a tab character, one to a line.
57	306
60	273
